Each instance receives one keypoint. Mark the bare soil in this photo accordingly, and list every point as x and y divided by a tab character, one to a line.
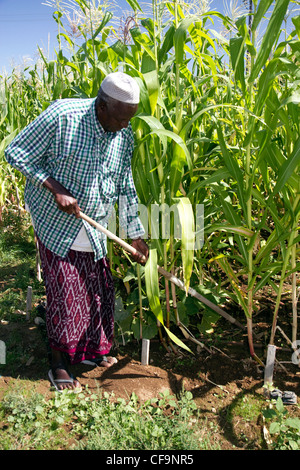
219	376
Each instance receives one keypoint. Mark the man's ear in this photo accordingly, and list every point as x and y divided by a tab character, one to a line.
102	106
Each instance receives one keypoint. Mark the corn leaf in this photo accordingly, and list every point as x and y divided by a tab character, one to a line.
237	53
134	5
152	285
243	231
187	222
288	168
180	38
224	264
232	166
262	9
152	289
143	40
217	176
270	36
176	340
152	83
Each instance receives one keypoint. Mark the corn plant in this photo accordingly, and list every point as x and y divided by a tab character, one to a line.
267	102
224	136
19	104
243	130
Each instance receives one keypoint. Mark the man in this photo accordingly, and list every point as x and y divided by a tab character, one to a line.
76	156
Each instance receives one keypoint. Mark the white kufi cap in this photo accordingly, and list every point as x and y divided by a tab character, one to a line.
121	87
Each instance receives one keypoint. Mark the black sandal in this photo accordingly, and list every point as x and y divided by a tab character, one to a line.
55	382
98	360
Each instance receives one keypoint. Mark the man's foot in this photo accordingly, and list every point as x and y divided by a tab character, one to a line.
62	380
102	361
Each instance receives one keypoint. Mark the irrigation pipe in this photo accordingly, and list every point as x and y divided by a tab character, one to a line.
162	271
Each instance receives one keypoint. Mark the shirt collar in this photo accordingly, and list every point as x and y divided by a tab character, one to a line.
99	131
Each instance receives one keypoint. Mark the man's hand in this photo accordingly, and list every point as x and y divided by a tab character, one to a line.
142	248
64	200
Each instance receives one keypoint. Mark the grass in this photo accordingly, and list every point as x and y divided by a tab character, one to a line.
247	407
17	262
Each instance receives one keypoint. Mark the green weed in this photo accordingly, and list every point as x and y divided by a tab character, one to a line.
95	421
283	428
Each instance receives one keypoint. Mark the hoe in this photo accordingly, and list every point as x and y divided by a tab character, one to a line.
162	271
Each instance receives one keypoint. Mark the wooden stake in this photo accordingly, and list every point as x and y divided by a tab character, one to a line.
2	352
28	302
270	364
37	259
145	351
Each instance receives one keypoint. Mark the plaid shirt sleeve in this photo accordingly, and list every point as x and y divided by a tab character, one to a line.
26	152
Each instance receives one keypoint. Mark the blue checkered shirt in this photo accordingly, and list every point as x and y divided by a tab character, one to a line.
68	143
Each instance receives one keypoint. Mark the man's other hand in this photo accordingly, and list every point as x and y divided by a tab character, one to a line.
143	251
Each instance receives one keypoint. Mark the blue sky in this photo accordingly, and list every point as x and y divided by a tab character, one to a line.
26	24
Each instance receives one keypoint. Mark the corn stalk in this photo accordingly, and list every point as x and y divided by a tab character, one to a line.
225	137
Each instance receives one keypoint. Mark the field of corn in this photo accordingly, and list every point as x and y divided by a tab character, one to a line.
217	129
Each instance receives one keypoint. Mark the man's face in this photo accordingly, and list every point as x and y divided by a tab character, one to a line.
115	116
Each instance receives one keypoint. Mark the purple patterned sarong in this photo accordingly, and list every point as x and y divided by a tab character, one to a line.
80	303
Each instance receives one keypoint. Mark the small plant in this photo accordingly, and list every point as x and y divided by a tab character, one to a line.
285	430
22	407
95	421
161	423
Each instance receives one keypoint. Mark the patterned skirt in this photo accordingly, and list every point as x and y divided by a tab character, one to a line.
80	303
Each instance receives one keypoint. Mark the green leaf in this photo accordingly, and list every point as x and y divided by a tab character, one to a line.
237	54
167	43
293	423
152	83
176	340
176	168
274	428
217	176
134	5
296	21
180	38
178	140
288	168
232	166
272	270
144	41
243	231
152	285
186	217
270	36
152	289
262	9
